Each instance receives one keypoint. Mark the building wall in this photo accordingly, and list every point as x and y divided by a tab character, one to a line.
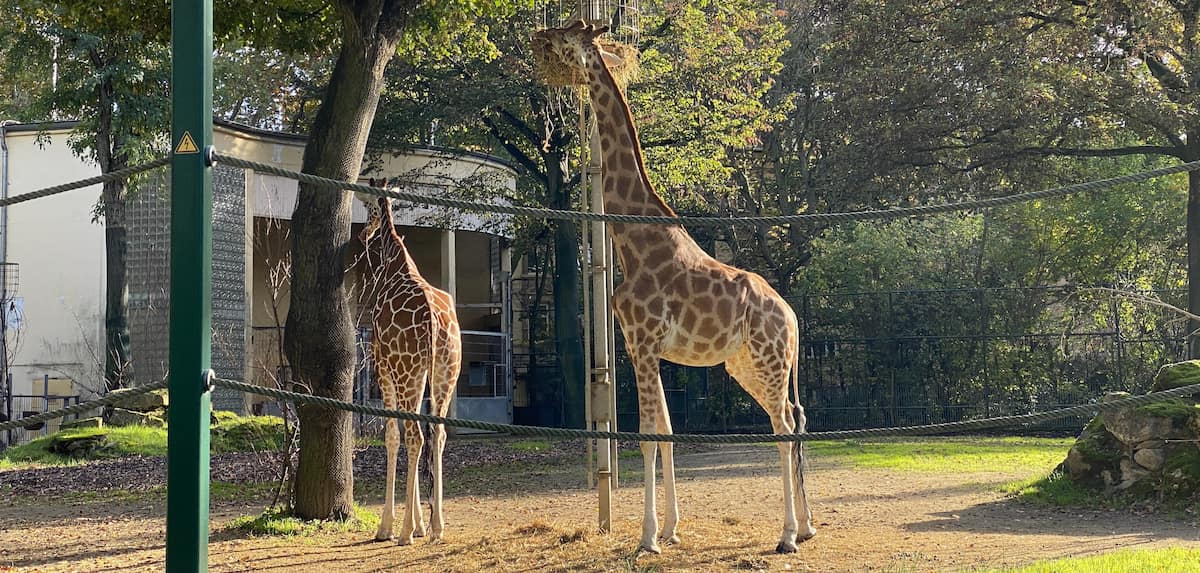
61	256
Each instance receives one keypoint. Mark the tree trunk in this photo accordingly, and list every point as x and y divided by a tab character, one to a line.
1193	257
116	286
568	332
319	335
111	157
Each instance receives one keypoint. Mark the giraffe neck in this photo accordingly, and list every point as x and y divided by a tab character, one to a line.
392	258
627	189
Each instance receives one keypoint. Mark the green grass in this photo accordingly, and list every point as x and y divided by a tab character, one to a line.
122	441
1057	490
1145	561
247	434
229	434
276	521
530	445
962	455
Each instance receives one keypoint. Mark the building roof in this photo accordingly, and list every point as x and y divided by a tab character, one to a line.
281	137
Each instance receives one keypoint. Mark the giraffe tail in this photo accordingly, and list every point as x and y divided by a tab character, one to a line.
801	424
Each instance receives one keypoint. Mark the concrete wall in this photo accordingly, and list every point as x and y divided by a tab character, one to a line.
60	253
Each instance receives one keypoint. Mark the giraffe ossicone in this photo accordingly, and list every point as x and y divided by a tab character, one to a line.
680	304
416	344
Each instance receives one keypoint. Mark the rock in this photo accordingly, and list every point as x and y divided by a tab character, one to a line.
1095	454
1176	375
146	402
1131	473
123	417
93	422
1152	459
78	447
1140	424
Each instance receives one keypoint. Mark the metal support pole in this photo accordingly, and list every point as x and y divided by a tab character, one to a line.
45	402
602	410
191	286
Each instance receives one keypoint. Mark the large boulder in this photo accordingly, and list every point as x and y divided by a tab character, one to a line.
123	417
93	422
1150	452
153	401
1176	375
79	447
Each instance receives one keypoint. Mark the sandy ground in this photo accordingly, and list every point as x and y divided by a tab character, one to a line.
730	499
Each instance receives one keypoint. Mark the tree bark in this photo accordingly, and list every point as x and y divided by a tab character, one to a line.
117	354
319	334
111	157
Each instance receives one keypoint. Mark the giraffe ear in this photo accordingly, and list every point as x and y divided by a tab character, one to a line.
610	59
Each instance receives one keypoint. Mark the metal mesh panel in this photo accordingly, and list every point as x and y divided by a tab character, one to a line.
149	235
149	281
229	282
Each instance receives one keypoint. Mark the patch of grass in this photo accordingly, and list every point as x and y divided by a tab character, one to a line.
366	442
530	445
278	522
227	491
247	434
961	455
1055	489
1157	560
119	441
231	433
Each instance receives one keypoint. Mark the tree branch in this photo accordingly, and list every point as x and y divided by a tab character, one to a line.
517	154
1110	152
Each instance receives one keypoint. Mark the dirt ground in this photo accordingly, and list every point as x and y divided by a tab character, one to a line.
730	501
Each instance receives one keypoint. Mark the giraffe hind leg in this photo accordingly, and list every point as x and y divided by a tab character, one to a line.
413	441
770	392
388	515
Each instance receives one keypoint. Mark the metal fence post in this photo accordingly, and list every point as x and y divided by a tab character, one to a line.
191	286
8	404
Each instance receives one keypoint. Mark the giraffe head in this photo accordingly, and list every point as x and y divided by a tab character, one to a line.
374	207
575	46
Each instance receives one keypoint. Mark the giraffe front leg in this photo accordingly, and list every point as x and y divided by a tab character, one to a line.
413	442
650	515
671	519
388	515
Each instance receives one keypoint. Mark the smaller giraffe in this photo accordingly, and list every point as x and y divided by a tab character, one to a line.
416	343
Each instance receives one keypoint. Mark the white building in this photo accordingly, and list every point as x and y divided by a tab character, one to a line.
55	263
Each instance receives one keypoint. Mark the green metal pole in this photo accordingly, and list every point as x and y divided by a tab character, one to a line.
191	287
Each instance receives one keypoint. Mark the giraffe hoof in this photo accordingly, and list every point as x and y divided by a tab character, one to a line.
404	540
383	535
672	540
785	547
650	548
801	538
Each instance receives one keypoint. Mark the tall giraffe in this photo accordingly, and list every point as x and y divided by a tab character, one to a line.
416	341
678	303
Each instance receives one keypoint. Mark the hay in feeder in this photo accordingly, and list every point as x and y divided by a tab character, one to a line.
556	72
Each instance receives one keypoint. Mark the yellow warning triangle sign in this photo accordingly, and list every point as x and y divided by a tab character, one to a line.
187	144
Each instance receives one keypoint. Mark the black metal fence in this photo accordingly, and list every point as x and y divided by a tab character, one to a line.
17	406
879	359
